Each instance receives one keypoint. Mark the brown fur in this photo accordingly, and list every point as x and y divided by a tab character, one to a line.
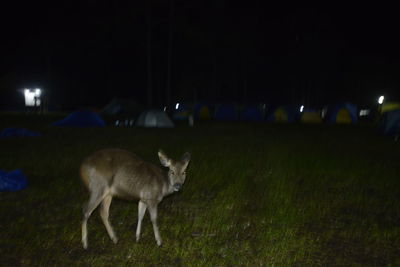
119	173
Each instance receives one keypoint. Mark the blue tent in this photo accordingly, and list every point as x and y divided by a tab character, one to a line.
182	113
12	181
226	112
343	114
389	123
252	113
81	119
18	132
283	114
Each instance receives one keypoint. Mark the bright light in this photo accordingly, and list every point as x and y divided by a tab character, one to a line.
381	99
364	112
32	97
177	106
301	108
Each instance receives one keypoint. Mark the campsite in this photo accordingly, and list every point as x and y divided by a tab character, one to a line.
256	194
199	133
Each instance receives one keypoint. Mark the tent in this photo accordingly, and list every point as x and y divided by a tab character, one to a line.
310	116
283	114
81	119
182	113
17	132
202	111
342	114
389	123
12	181
389	106
154	118
225	112
119	106
251	113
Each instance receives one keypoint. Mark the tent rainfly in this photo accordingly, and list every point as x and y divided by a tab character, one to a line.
154	119
342	114
81	119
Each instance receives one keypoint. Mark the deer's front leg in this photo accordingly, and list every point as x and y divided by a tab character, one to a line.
153	215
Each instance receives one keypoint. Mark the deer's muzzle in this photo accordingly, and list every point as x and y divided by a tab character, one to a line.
177	187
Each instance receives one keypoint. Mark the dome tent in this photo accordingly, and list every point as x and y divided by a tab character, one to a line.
181	113
389	123
226	112
121	106
154	118
389	106
252	113
310	116
81	119
285	113
342	114
202	111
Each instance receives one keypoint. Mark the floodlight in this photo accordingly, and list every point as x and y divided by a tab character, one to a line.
32	97
301	108
177	106
381	99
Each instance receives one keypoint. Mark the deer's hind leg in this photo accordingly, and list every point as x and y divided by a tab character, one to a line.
104	213
96	197
141	211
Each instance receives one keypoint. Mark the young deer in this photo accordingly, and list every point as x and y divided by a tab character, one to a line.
116	172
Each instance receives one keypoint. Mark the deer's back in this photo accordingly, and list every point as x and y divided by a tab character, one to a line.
124	173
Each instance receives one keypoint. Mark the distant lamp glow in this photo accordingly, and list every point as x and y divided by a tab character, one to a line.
32	97
302	108
364	112
381	99
177	106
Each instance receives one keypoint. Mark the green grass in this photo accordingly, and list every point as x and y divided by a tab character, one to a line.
256	195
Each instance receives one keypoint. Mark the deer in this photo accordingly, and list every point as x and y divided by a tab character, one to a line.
119	173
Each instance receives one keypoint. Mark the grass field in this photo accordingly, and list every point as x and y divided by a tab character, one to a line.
256	195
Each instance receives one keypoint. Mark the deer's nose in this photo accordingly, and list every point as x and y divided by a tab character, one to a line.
177	186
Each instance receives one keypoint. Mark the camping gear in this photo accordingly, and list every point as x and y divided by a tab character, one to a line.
12	181
226	112
181	113
202	111
17	132
154	118
389	106
81	119
251	113
121	106
283	114
342	114
389	123
310	116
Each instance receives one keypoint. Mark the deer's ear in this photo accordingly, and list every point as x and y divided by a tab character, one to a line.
165	161
186	157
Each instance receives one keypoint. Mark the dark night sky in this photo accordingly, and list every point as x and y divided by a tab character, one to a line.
86	52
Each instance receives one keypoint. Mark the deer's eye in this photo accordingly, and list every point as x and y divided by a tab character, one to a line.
183	173
172	172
